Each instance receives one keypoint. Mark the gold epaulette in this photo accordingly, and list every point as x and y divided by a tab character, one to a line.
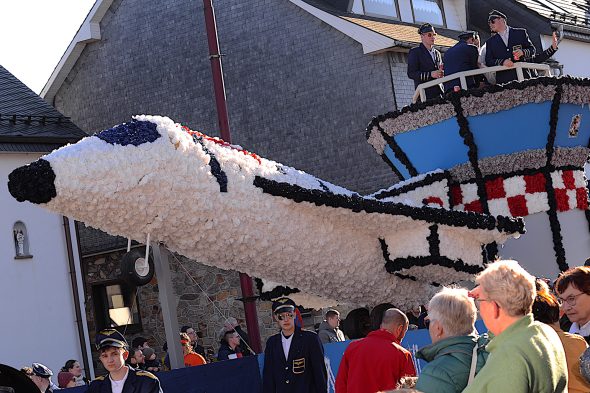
141	373
101	378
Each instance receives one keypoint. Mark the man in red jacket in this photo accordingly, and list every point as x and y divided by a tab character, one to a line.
378	361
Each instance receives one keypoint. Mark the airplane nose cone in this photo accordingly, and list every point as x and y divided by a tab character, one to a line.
33	182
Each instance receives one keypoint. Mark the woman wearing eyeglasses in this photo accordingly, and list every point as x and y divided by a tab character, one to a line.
546	310
526	356
573	289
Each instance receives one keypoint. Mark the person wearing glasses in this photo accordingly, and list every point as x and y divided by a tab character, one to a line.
293	358
229	347
573	289
507	46
425	62
546	310
526	356
456	353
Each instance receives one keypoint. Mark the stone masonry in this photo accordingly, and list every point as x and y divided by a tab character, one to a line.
205	296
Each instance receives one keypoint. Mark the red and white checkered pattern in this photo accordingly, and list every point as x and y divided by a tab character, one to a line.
519	196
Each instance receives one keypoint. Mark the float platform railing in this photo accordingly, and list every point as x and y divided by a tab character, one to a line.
518	67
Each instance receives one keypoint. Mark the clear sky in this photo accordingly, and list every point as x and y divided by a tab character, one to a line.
34	34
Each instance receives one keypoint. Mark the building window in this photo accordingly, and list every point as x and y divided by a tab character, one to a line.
428	11
383	8
116	306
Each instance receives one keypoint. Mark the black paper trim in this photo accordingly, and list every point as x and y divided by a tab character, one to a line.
434	241
552	212
398	264
216	170
467	136
428	180
399	153
277	292
358	204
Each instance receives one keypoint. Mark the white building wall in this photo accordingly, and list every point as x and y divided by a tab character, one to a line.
574	55
534	250
38	321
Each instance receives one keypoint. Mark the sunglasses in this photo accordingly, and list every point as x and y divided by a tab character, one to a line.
430	35
491	22
284	316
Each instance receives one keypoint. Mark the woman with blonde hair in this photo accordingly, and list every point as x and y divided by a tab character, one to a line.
456	353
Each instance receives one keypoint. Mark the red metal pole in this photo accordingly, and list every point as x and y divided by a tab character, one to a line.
245	281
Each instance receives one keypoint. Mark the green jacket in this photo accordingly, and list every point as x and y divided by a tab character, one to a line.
449	362
527	357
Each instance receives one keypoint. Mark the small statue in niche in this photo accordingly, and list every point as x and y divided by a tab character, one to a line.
19	242
575	126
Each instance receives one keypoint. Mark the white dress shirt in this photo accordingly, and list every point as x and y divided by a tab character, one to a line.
583	330
504	35
286	341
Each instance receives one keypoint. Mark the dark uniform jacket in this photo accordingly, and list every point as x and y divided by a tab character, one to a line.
303	372
420	65
137	382
497	52
461	57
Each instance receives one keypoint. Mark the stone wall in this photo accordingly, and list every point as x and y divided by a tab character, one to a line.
205	296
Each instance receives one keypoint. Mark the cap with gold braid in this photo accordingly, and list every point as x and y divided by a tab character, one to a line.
110	338
283	304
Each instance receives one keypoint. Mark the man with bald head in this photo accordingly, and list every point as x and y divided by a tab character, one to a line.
378	361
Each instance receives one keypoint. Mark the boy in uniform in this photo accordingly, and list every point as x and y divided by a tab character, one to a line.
113	350
293	358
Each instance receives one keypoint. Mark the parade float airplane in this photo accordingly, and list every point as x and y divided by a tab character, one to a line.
226	207
518	149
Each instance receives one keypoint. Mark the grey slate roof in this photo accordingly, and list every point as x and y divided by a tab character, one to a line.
25	118
95	241
568	12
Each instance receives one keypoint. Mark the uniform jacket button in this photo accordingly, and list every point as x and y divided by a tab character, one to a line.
286	368
287	381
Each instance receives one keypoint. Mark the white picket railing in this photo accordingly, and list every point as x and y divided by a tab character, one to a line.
518	67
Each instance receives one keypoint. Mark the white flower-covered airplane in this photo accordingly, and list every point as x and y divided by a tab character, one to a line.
226	207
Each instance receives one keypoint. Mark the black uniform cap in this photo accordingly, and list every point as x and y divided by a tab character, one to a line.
426	28
283	304
467	34
495	14
41	370
110	338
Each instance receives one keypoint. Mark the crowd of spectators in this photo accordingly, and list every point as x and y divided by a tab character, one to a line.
524	350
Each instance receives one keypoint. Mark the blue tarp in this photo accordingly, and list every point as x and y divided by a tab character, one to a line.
245	375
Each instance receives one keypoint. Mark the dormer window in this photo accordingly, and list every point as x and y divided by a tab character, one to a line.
428	11
381	8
